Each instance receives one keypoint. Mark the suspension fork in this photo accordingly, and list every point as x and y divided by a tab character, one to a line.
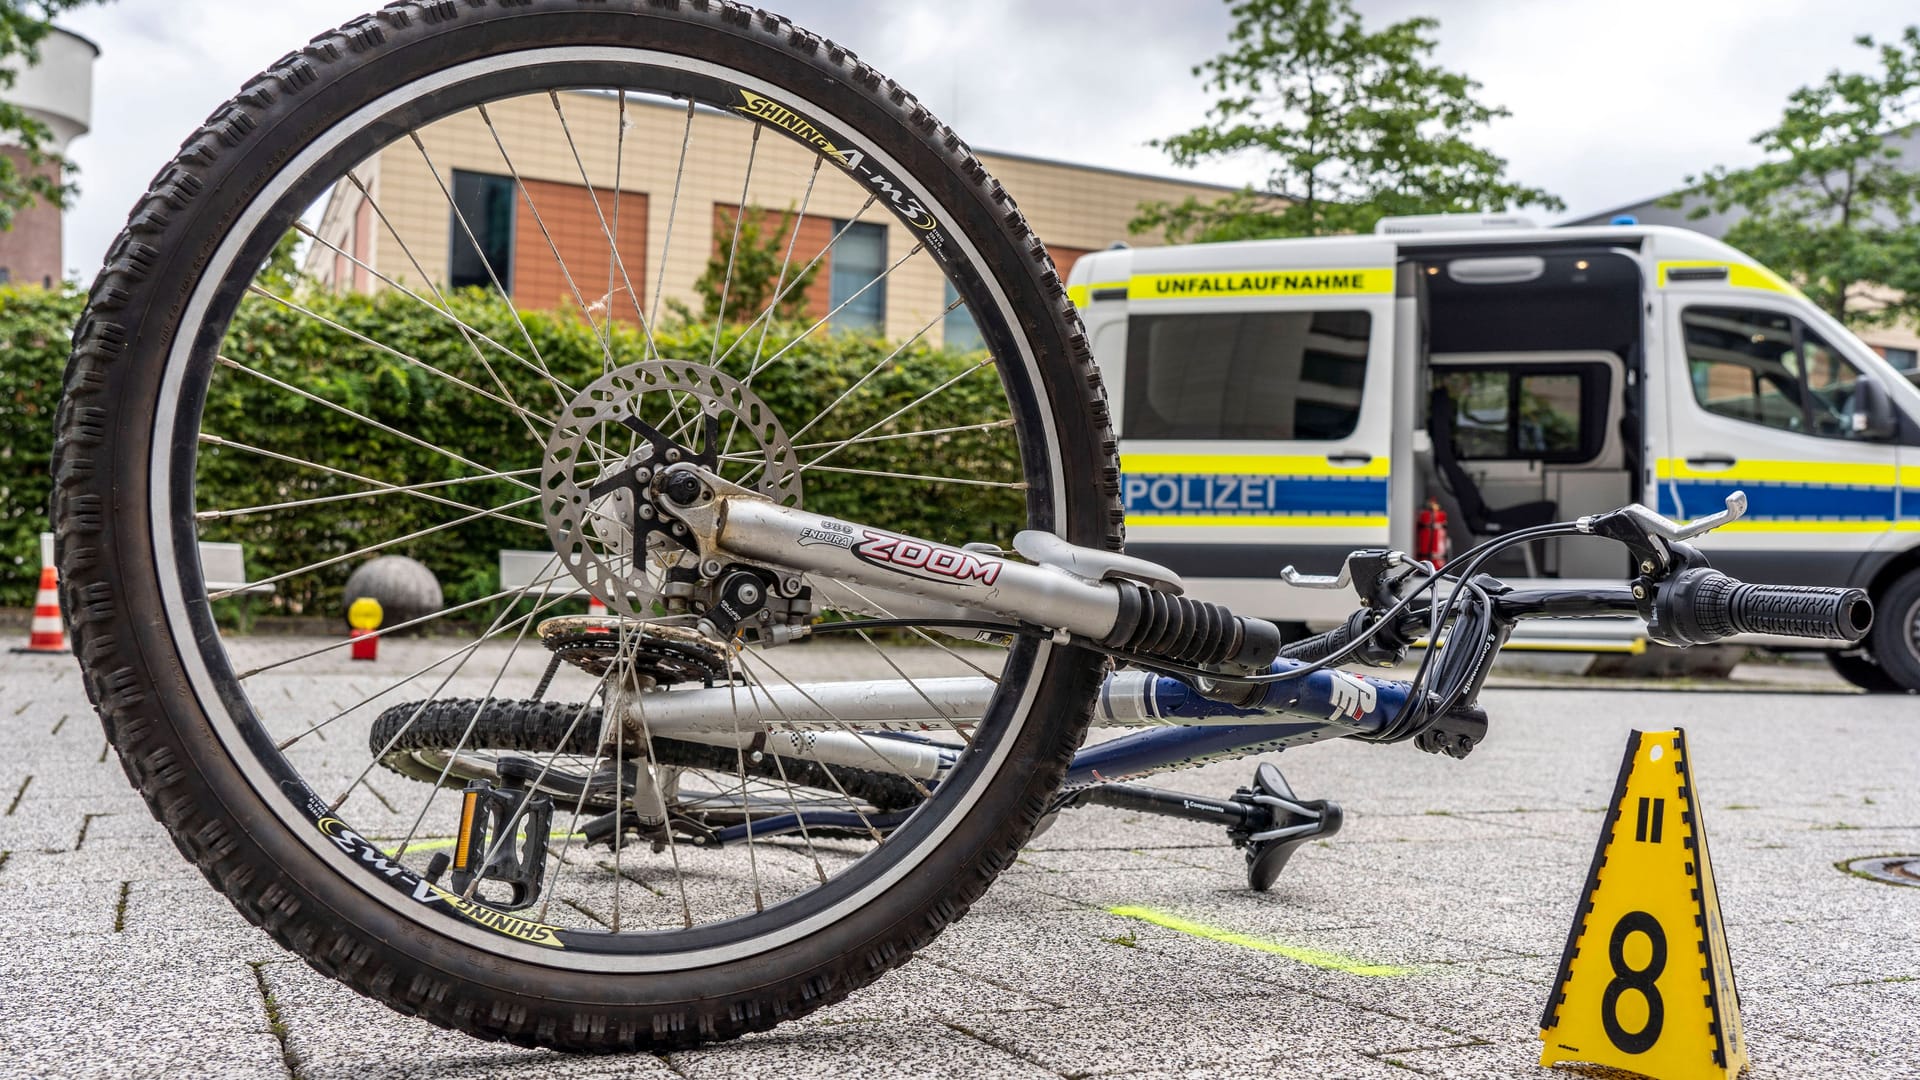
1121	603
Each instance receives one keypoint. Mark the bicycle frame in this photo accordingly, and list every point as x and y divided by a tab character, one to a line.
857	724
861	724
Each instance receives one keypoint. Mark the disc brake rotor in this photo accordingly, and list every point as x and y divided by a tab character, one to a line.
607	455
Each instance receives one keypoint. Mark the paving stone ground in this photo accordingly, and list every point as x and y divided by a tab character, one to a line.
117	960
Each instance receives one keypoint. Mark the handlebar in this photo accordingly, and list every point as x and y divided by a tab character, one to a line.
1319	646
1702	605
1697	606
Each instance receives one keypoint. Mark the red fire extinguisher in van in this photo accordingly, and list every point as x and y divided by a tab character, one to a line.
1430	537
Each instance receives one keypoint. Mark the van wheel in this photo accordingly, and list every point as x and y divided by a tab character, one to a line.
1895	640
1863	671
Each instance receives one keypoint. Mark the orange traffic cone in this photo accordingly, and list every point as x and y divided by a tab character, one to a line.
594	606
48	635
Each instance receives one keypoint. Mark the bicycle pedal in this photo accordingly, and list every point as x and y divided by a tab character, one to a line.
503	838
1289	822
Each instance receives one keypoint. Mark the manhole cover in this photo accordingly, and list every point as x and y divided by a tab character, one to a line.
1892	869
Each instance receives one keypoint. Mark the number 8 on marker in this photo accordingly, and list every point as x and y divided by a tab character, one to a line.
1642	979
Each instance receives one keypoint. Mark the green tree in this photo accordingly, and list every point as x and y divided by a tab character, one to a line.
750	271
1835	210
24	24
1357	125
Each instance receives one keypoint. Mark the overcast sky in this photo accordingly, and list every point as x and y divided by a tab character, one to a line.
1611	102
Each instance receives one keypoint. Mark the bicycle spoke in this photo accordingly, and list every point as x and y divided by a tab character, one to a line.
513	821
416	490
350	496
529	417
552	885
371	548
377	695
928	638
918	477
562	392
613	244
466	229
938	709
775	702
673	211
733	700
990	425
367	420
904	410
673	850
865	376
733	249
779	287
602	334
526	624
828	317
613	248
499	621
918	787
383	631
779	298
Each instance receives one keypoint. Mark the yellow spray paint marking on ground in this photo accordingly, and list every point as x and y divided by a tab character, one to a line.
442	843
1320	958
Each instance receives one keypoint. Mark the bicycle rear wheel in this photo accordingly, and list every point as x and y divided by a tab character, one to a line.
192	332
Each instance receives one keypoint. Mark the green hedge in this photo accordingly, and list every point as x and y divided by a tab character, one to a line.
343	368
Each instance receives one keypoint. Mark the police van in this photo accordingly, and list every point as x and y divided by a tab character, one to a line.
1283	402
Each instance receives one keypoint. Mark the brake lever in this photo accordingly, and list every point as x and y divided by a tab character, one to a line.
1651	536
1318	581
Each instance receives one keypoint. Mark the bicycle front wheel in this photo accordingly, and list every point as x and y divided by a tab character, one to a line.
488	164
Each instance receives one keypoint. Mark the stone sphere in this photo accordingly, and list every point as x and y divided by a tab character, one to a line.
405	588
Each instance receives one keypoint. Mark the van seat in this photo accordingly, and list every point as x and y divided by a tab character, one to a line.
1481	518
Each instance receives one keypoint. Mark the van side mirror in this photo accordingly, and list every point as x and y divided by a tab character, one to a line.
1874	417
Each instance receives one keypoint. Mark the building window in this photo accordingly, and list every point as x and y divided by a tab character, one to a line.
960	332
1902	359
859	258
486	204
6	275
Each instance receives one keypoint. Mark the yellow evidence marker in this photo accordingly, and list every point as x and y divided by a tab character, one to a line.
1645	983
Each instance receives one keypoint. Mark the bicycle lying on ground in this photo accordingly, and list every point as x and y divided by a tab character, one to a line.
660	837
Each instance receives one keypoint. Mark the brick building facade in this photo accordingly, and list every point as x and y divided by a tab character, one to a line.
535	226
30	252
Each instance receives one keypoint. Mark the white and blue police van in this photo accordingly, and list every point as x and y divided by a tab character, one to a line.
1284	402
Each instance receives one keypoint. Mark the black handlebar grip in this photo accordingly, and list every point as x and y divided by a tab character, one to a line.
1319	646
1703	605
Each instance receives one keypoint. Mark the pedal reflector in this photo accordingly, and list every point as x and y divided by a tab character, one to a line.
469	803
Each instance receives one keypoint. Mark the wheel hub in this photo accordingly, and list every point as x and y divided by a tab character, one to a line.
605	479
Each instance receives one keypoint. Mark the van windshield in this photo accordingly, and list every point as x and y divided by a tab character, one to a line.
1246	375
